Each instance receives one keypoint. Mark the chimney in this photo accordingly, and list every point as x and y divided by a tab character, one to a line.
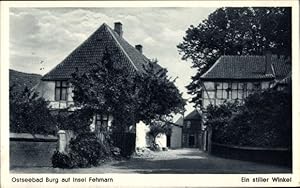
118	28
139	48
268	62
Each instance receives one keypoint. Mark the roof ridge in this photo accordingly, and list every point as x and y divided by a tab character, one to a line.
120	46
81	44
92	48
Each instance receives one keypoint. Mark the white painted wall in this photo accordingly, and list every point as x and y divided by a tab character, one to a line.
142	139
209	85
176	137
265	85
161	140
209	92
46	89
141	133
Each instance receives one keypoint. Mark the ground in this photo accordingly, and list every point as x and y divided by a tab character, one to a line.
180	161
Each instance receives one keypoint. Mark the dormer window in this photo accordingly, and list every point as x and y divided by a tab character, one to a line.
61	90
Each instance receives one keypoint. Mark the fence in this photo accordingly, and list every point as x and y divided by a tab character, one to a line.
124	141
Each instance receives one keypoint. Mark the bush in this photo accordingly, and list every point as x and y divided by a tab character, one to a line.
78	121
30	113
264	120
125	142
60	160
86	150
218	118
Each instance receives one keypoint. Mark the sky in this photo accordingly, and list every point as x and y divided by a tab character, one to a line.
40	38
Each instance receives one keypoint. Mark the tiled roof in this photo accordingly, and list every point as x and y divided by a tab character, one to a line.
247	67
92	50
282	67
286	80
194	115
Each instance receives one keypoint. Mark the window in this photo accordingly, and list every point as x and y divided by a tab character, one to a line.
184	139
256	86
245	90
101	122
188	124
61	90
219	90
236	90
232	90
229	91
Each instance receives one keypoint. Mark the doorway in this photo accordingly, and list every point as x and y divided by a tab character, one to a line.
191	140
168	141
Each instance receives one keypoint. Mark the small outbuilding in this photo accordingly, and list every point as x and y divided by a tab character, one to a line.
174	140
192	131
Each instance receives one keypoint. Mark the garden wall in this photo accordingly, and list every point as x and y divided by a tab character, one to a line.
28	151
176	137
278	156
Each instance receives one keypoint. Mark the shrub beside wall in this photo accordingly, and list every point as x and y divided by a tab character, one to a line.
264	120
84	151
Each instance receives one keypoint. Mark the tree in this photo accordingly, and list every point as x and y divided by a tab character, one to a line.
29	113
158	126
106	89
78	121
218	120
235	31
110	88
264	120
157	97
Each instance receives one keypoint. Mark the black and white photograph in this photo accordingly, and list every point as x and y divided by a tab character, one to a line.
150	90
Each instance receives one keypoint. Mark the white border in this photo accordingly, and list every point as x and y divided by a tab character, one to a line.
150	180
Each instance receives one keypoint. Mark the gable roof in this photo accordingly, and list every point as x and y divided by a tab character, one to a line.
179	121
285	81
194	115
92	50
247	67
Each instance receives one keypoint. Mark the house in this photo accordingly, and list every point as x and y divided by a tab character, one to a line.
236	77
283	83
174	140
191	130
54	86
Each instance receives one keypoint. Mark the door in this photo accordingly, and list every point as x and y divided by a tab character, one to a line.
191	140
168	141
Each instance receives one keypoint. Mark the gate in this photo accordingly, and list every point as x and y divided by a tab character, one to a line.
124	141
